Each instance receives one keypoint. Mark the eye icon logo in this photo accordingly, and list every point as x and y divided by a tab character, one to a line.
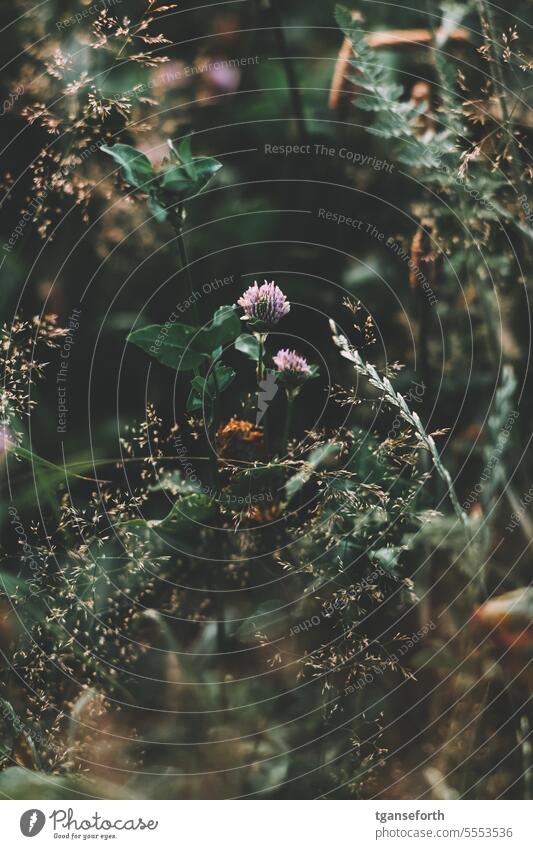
32	822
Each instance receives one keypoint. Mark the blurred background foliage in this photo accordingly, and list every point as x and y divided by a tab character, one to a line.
457	721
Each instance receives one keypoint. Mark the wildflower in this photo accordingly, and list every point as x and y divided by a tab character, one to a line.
264	304
292	366
239	439
293	371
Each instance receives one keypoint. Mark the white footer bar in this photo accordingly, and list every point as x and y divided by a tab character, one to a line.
268	825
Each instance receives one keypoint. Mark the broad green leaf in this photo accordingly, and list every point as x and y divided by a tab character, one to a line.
182	153
205	167
185	155
199	384
201	395
176	180
185	149
181	177
195	403
170	345
204	390
158	210
183	347
223	315
136	167
222	376
187	513
247	344
184	519
222	331
181	182
343	17
12	585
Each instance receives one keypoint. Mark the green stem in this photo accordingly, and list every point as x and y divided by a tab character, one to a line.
290	73
177	224
389	393
214	428
261	341
288	423
33	458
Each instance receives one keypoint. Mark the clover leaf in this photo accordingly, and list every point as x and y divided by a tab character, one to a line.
181	176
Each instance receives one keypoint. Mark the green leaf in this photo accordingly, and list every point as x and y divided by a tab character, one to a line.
12	585
182	153
224	376
136	167
187	513
185	155
199	384
183	521
222	331
176	180
183	176
184	348
159	211
195	403
173	346
185	149
182	182
343	17
204	390
204	169
247	344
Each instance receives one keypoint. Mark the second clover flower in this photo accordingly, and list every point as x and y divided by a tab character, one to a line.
293	370
292	366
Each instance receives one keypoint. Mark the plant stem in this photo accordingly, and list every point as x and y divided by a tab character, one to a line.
261	340
290	73
288	423
413	419
214	428
486	15
177	224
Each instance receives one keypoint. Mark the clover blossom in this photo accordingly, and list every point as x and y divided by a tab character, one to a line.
292	364
265	304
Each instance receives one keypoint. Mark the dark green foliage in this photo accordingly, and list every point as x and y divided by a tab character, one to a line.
181	177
